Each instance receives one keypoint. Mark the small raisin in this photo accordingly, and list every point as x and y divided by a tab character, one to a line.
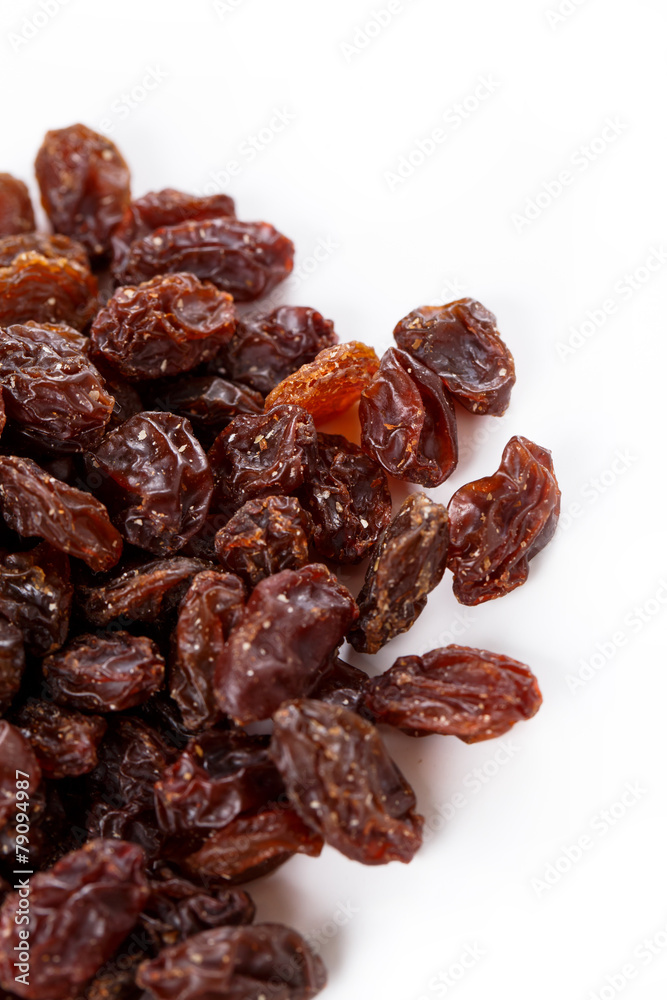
16	755
265	537
16	211
12	661
64	742
144	593
36	596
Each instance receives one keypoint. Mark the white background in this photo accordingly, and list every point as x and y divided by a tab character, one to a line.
355	105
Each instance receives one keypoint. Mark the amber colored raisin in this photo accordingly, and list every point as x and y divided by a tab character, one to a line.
207	612
162	327
460	343
209	402
144	593
266	349
155	480
497	524
331	383
457	691
348	497
236	963
291	625
47	290
103	673
265	537
52	246
80	911
12	661
408	422
16	755
246	259
64	742
34	503
16	211
343	783
85	185
407	563
36	596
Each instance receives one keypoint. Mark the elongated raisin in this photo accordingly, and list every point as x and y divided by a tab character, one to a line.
36	596
144	593
64	742
265	537
44	284
499	523
16	211
16	754
12	661
456	691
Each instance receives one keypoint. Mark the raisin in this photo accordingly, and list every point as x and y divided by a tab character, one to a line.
36	596
52	246
407	563
85	185
408	422
209	402
331	383
253	845
237	963
34	503
497	524
456	691
115	980
460	343
144	593
16	211
246	259
339	683
16	755
105	673
45	287
292	623
161	208
80	911
12	661
162	327
65	742
265	537
267	348
156	481
348	497
207	612
343	783
51	389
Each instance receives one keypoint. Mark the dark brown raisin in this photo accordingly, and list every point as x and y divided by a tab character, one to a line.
209	402
17	762
16	211
144	593
36	596
65	742
12	661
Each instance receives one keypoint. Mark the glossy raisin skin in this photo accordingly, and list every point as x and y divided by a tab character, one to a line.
408	422
499	523
339	683
209	402
16	211
16	754
65	742
267	348
348	498
80	911
33	503
237	963
291	625
455	691
36	596
52	246
105	673
246	259
145	593
265	537
206	615
460	343
343	783
85	185
331	383
156	481
165	326
12	662
406	564
51	390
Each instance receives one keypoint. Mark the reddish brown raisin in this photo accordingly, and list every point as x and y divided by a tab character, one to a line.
456	691
210	403
341	780
460	343
499	523
85	185
53	246
12	661
141	594
36	596
16	755
339	683
64	742
16	211
45	287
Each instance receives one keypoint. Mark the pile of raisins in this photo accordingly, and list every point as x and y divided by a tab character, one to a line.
173	519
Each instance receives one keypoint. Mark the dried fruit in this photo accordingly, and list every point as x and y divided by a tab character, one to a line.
407	563
54	246
43	281
408	422
265	537
12	661
343	783
16	212
105	673
144	593
497	524
341	684
292	623
456	691
64	742
156	480
210	403
460	343
34	503
16	755
164	326
347	495
330	384
36	596
85	185
80	911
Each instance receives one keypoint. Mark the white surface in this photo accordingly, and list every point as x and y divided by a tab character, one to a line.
449	230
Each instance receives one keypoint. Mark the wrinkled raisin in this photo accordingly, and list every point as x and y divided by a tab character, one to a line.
12	661
144	593
43	284
209	402
265	537
36	595
16	211
16	754
64	742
